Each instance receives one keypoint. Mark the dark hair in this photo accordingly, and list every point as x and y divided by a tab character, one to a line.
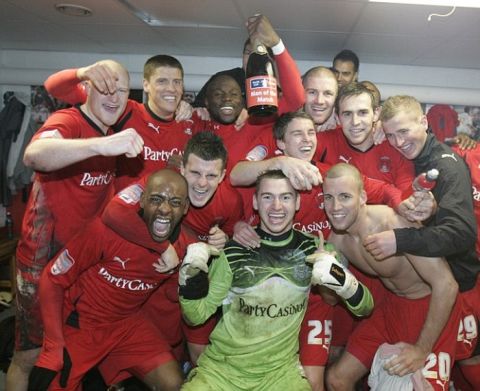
207	146
348	55
281	124
160	60
217	76
270	174
354	89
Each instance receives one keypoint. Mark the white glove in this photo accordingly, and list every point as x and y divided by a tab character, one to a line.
195	260
329	272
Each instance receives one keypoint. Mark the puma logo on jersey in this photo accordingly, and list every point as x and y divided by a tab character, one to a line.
344	159
451	155
156	128
121	261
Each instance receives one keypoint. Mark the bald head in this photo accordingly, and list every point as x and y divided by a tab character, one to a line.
117	68
164	202
319	73
343	169
165	175
104	107
321	90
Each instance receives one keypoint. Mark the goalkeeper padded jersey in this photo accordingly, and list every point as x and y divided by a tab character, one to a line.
263	293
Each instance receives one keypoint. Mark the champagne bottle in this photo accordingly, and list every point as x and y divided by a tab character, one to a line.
261	86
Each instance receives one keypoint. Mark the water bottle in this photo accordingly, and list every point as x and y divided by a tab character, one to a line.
426	181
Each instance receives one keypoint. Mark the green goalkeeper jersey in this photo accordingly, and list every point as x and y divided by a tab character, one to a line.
263	293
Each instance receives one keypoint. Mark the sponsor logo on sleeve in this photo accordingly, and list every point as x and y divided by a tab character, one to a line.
54	133
62	264
257	154
131	194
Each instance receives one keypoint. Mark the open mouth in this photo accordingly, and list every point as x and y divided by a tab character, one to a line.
306	149
356	132
111	108
226	110
169	98
318	109
200	192
161	226
276	218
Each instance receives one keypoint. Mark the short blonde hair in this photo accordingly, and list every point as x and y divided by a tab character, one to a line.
343	169
400	103
319	71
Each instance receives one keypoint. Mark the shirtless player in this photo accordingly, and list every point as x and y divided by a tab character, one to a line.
420	311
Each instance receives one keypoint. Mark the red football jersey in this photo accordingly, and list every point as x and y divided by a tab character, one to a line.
63	201
380	162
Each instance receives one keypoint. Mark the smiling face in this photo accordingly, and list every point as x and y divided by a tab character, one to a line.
203	177
224	99
164	88
343	200
299	140
357	116
320	93
276	202
105	109
407	133
164	202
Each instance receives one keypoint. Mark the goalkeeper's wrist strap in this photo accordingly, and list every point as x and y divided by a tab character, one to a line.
361	303
195	287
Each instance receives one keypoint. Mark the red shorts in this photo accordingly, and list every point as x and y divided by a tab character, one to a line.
200	334
468	341
163	310
131	345
28	318
316	332
398	319
343	319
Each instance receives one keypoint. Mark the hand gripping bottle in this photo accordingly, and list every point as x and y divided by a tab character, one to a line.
261	86
425	181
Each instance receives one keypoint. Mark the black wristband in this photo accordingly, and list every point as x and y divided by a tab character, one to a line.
357	296
196	287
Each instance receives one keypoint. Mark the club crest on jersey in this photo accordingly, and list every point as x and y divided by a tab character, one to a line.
132	194
385	164
301	271
62	264
257	154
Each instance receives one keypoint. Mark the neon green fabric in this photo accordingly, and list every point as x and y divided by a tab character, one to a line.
263	293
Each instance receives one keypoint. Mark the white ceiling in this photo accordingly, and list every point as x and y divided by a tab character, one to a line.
312	29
